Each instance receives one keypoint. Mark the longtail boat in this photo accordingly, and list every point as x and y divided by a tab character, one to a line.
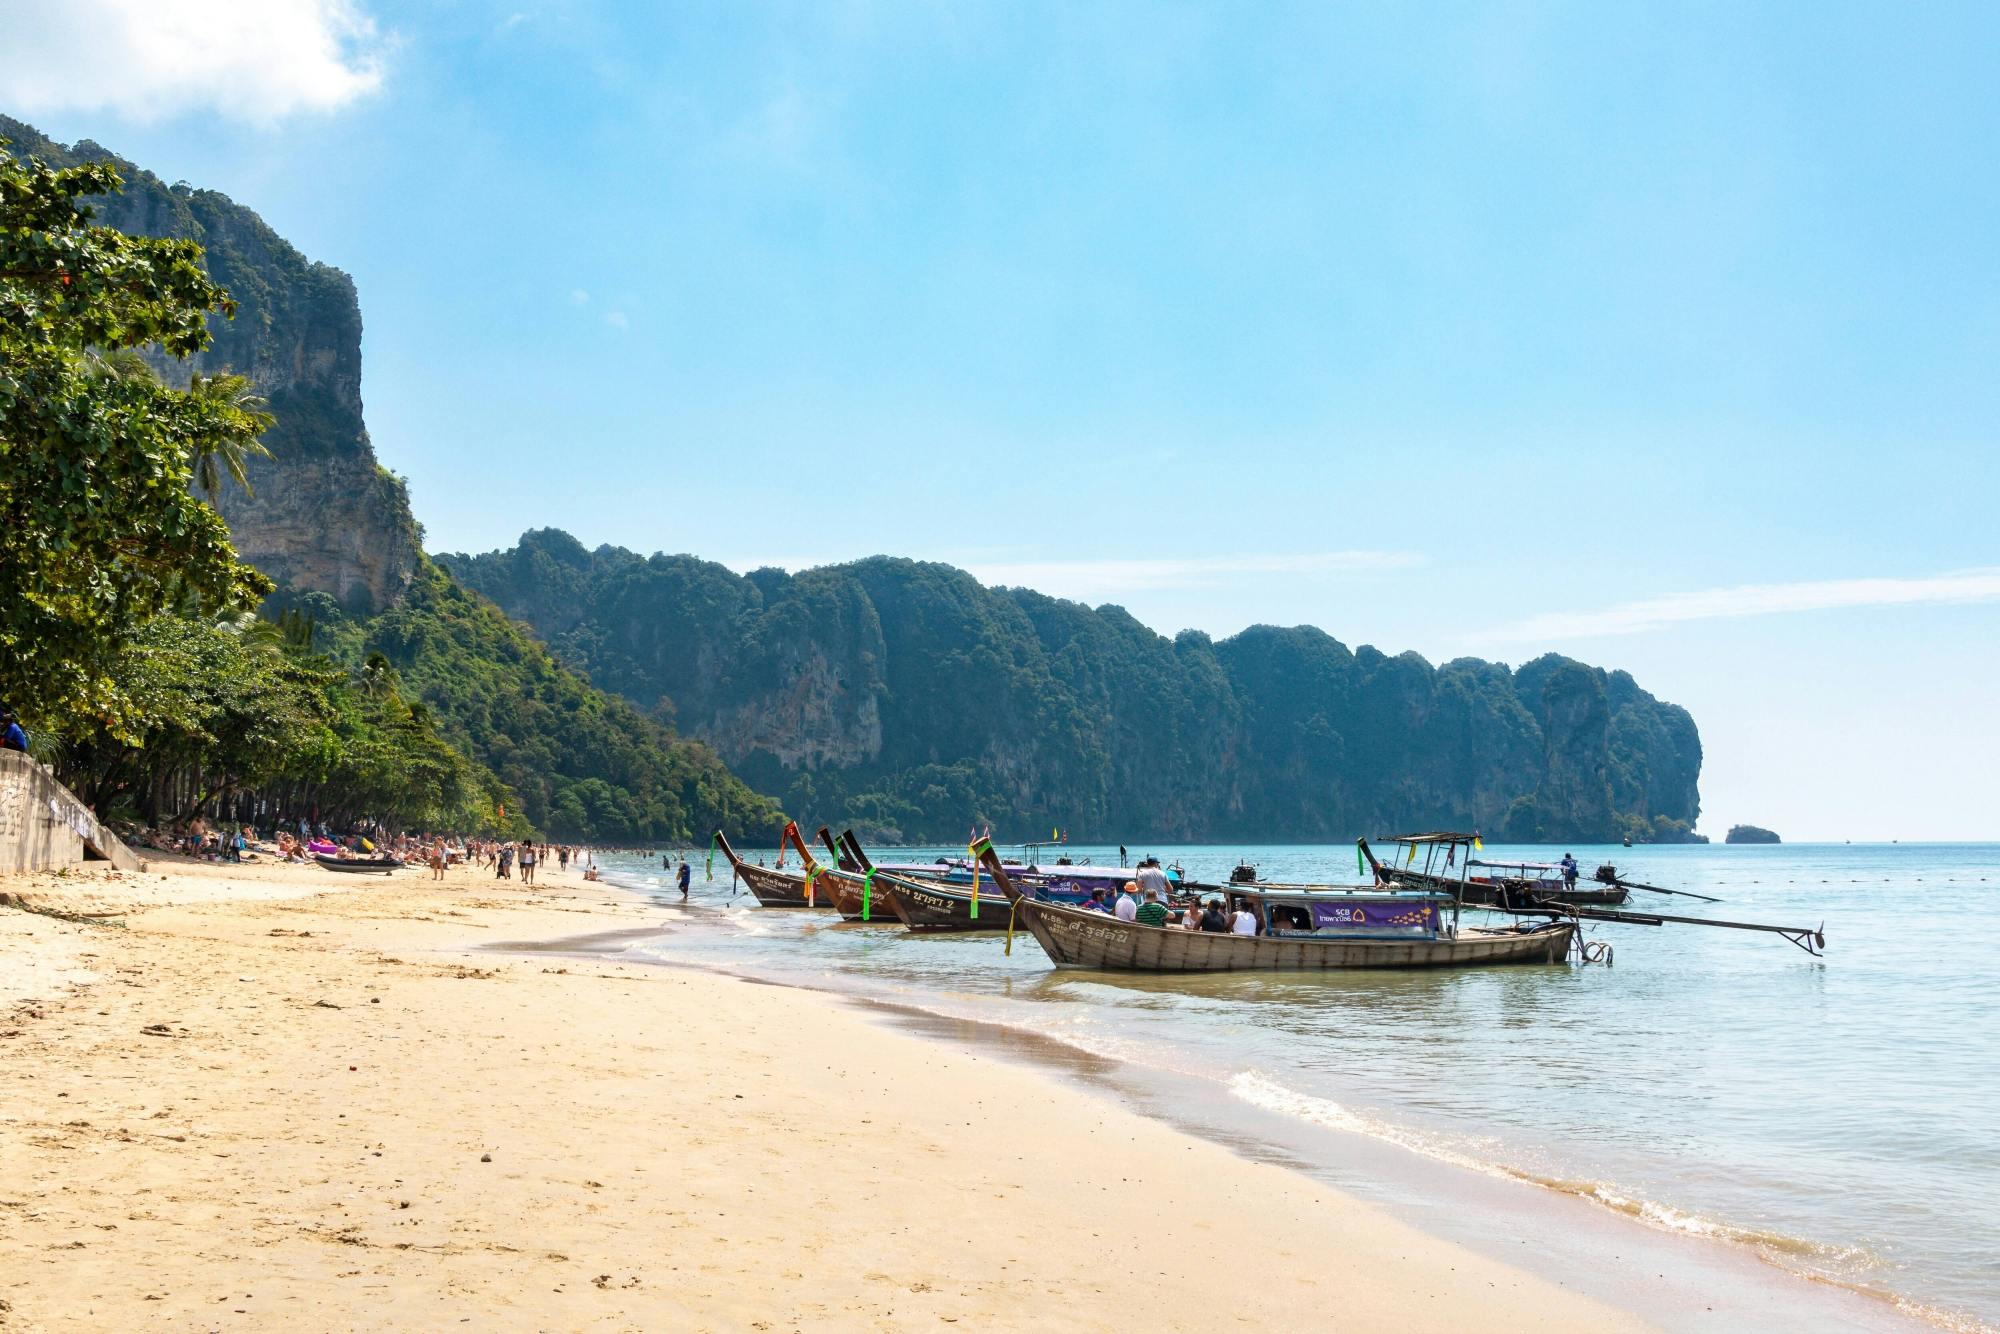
1516	884
945	896
1558	902
1299	930
924	904
774	886
851	886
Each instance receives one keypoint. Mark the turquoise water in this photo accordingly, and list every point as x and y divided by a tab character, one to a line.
1838	1115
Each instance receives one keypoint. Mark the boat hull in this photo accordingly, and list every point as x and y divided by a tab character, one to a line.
1074	938
927	908
359	865
774	888
844	888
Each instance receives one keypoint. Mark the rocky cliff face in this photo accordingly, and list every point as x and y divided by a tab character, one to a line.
908	695
322	513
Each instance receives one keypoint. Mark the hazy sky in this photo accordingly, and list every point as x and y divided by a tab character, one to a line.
1667	337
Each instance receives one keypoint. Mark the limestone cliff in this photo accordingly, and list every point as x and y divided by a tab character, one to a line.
908	697
323	514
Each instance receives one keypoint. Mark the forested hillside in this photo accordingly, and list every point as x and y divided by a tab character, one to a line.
908	696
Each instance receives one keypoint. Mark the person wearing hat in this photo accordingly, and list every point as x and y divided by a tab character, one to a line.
1127	907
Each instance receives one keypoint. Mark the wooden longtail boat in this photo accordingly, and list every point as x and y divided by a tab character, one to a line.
850	887
1341	929
926	905
943	901
774	886
1485	884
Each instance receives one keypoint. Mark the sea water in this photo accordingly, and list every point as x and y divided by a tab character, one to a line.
1838	1115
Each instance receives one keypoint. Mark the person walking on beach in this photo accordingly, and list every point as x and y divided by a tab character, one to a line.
686	876
506	871
528	863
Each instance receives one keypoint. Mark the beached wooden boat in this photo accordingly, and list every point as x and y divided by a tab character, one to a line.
935	903
1300	931
1483	883
383	864
848	887
774	886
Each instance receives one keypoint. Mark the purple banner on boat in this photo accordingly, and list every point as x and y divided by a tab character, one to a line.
1378	915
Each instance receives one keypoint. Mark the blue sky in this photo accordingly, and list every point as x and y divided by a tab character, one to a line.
1665	338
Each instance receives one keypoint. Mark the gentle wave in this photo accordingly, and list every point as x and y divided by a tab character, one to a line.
1818	1261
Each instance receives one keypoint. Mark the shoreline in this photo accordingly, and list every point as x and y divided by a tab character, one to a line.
1676	1280
285	1096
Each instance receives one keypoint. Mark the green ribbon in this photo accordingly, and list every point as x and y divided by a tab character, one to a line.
868	894
1360	862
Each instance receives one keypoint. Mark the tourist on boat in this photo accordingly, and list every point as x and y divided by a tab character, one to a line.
1191	917
1569	872
1127	909
1212	920
1152	912
1245	921
1095	903
1150	876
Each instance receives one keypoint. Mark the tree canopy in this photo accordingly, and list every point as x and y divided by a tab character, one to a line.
99	530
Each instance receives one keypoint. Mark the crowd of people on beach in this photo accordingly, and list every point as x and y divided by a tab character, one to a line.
307	842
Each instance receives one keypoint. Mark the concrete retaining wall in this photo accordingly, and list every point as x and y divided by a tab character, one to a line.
43	826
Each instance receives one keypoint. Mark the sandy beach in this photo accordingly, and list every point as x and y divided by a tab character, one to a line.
279	1098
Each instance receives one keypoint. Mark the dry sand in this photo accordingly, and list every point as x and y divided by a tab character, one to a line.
281	1098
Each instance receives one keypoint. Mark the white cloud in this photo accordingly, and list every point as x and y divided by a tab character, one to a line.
616	319
513	21
1960	586
1096	578
257	60
578	297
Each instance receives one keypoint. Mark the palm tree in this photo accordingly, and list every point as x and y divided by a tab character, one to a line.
229	451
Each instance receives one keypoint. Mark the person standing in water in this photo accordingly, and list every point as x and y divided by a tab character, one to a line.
686	875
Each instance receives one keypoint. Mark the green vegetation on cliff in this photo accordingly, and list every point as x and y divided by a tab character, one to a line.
907	696
574	762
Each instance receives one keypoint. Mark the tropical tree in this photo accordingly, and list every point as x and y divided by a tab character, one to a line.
99	529
230	395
